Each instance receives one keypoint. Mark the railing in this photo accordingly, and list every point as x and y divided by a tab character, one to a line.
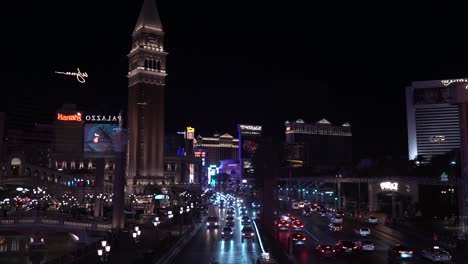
44	221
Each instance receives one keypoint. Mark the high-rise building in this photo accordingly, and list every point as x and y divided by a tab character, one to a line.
217	148
322	146
146	84
249	140
433	122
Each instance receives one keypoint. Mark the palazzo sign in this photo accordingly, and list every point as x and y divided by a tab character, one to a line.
80	76
389	186
103	118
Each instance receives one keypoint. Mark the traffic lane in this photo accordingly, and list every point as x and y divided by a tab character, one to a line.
317	229
382	241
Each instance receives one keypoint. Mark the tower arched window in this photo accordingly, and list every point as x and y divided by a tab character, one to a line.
146	63
158	65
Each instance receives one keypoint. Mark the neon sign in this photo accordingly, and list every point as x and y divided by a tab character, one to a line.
448	82
76	117
190	133
103	118
389	186
250	127
80	76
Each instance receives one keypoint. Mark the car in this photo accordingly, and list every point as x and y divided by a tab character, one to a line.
323	213
265	258
339	213
230	212
365	245
230	223
297	238
306	212
286	217
306	203
226	232
337	219
283	225
335	227
325	250
372	220
364	231
436	254
295	206
346	246
399	252
248	233
300	204
297	225
229	218
255	205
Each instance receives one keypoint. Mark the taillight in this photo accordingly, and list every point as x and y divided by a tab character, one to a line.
287	224
411	252
354	247
400	252
303	238
333	250
323	250
343	247
279	224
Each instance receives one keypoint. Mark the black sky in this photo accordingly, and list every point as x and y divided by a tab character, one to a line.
244	61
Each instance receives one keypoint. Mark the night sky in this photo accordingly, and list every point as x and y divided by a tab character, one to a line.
260	62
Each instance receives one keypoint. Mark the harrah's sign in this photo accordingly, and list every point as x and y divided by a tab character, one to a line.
76	117
103	118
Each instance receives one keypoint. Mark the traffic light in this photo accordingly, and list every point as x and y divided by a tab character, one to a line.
315	190
336	198
303	189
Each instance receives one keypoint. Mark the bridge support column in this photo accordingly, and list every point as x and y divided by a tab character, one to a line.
372	197
338	186
99	190
118	189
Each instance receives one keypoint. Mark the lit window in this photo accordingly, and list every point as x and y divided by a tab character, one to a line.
437	138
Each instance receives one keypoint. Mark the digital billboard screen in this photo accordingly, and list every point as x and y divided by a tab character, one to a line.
101	139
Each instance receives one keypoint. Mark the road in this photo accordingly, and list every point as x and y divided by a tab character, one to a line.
208	247
316	229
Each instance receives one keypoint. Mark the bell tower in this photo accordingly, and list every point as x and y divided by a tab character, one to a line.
146	82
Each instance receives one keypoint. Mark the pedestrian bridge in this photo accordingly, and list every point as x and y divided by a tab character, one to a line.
43	225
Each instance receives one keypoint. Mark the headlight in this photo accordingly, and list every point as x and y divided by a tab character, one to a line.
230	232
222	233
252	234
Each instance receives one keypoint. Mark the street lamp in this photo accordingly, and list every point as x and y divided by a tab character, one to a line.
104	252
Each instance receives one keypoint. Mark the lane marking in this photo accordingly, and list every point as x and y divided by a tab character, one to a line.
258	235
310	234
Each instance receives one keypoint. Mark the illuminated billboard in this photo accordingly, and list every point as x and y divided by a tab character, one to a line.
66	117
249	139
190	134
101	139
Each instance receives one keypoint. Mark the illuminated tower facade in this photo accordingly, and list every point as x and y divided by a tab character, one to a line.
146	82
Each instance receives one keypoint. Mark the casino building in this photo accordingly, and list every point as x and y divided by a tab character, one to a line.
320	146
433	122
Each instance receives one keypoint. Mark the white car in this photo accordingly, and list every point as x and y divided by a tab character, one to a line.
436	254
372	220
306	203
338	219
364	231
295	206
365	245
301	204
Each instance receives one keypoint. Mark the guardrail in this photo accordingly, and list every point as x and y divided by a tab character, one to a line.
39	221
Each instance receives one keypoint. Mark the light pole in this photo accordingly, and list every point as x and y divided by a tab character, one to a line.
181	212
156	224
104	252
